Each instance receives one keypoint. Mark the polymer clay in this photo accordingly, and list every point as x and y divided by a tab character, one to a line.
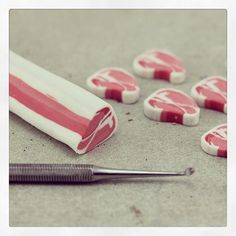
160	64
58	107
211	93
172	105
114	83
214	142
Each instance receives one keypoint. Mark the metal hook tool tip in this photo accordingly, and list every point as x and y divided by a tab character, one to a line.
189	171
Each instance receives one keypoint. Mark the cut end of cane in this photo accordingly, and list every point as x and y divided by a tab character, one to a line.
101	128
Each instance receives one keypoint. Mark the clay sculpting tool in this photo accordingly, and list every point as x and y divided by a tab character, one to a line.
79	173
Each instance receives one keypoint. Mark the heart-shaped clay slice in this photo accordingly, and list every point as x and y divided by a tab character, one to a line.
114	83
160	64
214	142
172	105
211	93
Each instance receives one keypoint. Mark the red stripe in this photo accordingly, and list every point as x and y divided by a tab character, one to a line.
113	94
47	106
222	153
215	105
162	74
169	116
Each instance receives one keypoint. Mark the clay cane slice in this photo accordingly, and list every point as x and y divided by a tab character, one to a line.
214	142
160	64
211	93
114	83
58	107
172	105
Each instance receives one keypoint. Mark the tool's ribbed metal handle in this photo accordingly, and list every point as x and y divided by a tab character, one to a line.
47	173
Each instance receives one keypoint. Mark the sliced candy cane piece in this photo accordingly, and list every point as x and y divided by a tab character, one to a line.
214	142
172	105
114	83
58	107
211	93
160	64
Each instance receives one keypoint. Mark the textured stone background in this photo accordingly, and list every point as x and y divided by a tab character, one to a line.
74	44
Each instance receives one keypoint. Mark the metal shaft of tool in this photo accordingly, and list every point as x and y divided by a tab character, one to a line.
78	173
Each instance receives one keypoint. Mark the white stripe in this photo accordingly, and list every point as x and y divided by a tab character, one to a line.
51	128
68	94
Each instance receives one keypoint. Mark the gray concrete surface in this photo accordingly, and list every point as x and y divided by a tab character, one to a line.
74	44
